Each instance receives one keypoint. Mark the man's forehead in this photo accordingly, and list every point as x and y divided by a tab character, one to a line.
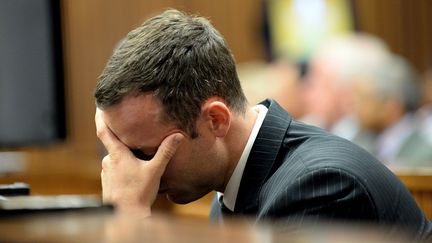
136	118
144	104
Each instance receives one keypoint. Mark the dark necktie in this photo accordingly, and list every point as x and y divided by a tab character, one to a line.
224	209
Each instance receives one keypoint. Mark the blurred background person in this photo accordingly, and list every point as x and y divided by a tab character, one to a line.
386	101
328	98
424	114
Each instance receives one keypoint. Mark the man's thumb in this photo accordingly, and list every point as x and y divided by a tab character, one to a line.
167	149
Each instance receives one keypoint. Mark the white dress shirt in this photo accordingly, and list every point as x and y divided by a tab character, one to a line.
231	190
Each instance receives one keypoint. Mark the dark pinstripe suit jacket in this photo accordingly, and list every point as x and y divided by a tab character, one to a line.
297	172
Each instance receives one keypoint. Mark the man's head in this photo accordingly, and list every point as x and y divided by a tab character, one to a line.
175	74
181	59
385	95
333	71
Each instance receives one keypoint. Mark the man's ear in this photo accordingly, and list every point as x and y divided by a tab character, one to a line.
218	117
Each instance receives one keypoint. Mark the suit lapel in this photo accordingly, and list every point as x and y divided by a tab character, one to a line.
262	156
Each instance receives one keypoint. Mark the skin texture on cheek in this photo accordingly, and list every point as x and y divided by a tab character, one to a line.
191	173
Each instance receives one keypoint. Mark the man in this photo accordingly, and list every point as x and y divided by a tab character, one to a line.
333	70
387	100
173	117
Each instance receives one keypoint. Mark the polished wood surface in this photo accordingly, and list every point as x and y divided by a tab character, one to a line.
403	25
419	182
107	227
103	226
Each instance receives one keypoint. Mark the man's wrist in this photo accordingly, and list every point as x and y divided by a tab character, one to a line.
137	211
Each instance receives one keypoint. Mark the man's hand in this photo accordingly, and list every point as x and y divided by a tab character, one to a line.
129	183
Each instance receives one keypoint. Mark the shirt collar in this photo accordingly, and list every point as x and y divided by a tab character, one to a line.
231	190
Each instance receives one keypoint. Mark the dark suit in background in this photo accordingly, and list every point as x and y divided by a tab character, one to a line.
296	172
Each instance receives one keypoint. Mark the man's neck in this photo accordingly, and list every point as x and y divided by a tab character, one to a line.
241	128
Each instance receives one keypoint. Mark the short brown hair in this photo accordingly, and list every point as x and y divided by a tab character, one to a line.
182	59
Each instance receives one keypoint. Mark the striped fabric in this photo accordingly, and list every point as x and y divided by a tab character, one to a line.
297	173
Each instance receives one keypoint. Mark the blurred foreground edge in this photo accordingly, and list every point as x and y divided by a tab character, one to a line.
102	224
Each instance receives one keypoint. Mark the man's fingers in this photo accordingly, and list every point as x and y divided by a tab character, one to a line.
167	150
108	138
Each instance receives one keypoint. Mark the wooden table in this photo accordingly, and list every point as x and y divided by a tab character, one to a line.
103	226
419	182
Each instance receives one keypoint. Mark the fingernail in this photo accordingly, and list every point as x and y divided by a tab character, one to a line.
178	138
